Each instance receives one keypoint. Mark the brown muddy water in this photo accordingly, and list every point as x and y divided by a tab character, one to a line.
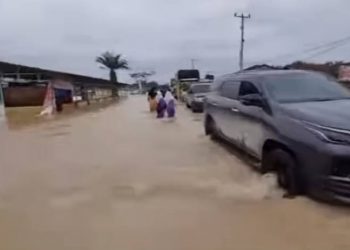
116	178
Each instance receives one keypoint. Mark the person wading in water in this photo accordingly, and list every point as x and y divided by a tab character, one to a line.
152	94
161	107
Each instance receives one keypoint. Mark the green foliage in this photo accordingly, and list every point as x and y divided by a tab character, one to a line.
184	86
113	62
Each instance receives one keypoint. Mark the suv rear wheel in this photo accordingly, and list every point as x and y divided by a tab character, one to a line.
210	127
286	169
193	109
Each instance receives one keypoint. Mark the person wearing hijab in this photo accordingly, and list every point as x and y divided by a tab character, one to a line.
170	102
152	94
161	107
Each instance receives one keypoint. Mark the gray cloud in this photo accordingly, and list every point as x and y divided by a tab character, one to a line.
164	35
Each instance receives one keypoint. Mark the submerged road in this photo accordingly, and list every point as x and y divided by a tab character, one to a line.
117	178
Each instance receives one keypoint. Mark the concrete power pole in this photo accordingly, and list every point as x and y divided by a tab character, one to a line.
193	63
241	54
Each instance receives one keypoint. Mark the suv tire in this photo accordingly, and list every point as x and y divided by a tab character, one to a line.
210	128
286	169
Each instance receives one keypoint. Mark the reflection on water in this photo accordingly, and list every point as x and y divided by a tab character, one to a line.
21	117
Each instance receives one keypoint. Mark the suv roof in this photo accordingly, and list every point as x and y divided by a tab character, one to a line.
273	72
260	73
268	72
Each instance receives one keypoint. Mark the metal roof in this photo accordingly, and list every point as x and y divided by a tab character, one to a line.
31	73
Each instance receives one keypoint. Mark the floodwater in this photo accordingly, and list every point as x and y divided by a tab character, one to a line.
117	178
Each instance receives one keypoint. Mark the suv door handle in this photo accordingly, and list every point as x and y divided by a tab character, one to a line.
215	104
236	110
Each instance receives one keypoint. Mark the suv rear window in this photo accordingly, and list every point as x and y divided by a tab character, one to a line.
229	89
247	88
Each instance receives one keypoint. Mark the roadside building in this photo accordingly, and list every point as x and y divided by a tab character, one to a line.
26	86
344	75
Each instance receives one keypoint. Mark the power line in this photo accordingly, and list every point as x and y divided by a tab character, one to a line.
322	52
338	41
326	47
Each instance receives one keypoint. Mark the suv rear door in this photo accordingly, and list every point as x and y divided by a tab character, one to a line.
251	132
228	109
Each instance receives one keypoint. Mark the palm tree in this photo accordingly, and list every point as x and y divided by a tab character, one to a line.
112	62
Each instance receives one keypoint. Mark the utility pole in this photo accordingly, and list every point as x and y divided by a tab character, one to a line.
241	54
192	63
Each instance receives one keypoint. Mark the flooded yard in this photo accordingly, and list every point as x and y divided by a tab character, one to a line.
117	178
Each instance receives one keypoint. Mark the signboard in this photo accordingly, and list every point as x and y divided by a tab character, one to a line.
344	73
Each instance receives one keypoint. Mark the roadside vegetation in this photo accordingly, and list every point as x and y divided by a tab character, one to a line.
113	62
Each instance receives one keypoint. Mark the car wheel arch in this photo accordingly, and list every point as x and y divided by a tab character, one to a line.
269	146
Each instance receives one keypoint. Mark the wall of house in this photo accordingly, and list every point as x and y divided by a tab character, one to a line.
101	93
24	96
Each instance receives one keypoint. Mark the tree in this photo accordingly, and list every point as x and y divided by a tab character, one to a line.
141	77
113	62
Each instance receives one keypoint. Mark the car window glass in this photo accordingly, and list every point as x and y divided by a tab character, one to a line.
229	89
304	87
247	88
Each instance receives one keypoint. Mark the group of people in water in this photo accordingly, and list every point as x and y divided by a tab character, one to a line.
162	102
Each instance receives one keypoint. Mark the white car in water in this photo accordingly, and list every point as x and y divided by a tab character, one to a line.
195	96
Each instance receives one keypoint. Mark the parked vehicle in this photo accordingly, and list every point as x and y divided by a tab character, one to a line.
195	96
295	123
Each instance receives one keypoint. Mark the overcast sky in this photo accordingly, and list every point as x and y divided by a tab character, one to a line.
163	35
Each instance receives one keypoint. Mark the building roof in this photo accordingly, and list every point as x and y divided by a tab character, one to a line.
31	73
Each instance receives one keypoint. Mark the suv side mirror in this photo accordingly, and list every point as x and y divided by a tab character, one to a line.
190	91
252	100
